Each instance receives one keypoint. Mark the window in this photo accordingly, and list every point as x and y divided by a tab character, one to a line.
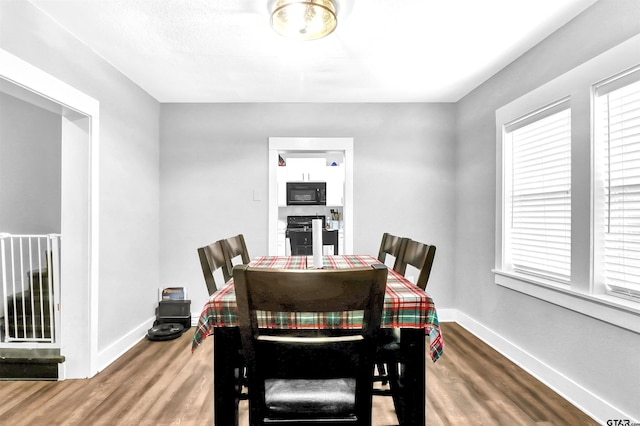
538	197
568	189
617	136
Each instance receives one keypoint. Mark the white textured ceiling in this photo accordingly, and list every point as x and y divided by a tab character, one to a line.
382	50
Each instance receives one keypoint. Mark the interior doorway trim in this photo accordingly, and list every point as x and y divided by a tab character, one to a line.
80	207
310	144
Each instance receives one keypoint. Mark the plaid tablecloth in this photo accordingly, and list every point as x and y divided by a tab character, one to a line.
405	305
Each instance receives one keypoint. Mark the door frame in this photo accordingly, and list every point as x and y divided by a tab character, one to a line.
80	207
310	144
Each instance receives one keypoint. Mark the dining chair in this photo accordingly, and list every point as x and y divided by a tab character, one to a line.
391	245
211	260
235	247
313	373
420	256
388	355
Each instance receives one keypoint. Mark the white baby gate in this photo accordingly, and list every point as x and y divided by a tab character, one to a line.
30	271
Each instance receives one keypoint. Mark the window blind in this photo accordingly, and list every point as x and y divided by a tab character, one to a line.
539	234
619	127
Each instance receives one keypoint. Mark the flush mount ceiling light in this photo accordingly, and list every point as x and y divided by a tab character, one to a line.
304	19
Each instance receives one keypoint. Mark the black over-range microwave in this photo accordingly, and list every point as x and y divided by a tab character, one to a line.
306	193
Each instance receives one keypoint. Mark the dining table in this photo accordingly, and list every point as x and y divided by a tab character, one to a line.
406	307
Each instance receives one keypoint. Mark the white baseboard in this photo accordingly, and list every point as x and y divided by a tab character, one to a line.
447	315
591	404
128	341
122	345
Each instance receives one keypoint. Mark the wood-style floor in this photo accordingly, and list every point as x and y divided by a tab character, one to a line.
163	383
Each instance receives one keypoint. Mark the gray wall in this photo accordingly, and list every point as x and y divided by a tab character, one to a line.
596	355
129	152
213	156
30	164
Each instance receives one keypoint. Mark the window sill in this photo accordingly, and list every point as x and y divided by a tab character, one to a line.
614	310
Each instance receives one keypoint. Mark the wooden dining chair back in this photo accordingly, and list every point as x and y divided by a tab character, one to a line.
211	260
389	359
391	245
235	247
313	373
420	256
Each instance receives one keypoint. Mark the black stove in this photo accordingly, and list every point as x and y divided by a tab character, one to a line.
303	223
299	232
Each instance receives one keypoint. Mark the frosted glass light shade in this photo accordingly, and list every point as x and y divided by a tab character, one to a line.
304	19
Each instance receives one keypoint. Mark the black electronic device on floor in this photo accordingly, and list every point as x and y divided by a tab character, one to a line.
178	311
173	318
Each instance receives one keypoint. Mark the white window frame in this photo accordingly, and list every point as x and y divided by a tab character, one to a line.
583	293
607	86
510	239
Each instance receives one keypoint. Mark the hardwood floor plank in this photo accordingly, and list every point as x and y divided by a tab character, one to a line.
495	378
19	395
163	383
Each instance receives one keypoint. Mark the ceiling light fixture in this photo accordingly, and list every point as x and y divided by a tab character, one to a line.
304	19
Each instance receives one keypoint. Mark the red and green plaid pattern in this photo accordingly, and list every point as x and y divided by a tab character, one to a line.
405	305
310	320
344	262
279	262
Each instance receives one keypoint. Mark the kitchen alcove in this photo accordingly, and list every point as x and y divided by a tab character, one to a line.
306	151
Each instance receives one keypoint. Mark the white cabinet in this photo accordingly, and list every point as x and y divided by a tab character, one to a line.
334	176
281	244
312	170
282	241
306	169
281	176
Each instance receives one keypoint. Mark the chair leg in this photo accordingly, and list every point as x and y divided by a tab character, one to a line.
397	390
241	382
382	373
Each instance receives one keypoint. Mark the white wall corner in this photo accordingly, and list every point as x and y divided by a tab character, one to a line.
591	404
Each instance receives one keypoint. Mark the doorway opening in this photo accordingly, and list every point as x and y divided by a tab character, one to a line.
78	116
311	159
